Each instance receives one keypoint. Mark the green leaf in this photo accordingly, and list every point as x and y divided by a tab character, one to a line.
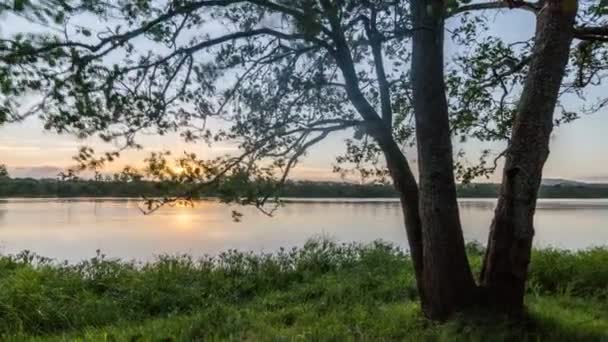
19	5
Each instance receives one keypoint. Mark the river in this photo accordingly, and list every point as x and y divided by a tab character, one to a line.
73	229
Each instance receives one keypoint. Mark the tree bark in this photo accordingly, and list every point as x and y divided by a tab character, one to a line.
447	279
398	166
507	256
444	279
405	183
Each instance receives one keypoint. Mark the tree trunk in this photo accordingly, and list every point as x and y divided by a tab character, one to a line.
507	256
405	183
447	279
399	169
444	279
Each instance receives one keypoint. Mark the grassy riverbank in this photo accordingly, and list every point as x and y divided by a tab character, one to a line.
322	291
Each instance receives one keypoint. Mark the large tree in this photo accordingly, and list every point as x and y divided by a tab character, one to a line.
528	121
482	90
276	77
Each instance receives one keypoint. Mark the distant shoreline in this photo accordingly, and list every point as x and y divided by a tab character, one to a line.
49	188
543	203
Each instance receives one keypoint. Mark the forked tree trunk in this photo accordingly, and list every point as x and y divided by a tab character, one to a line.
446	276
507	257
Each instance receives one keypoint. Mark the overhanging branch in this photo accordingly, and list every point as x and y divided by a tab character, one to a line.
322	127
494	5
592	33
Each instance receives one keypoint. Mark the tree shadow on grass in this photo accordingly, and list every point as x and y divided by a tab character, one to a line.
546	319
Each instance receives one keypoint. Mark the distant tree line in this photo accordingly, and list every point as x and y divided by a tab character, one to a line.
29	187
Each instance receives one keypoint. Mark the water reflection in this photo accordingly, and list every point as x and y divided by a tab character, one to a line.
73	229
2	211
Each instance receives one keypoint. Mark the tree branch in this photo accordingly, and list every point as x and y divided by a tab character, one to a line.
117	40
376	39
528	6
498	77
154	204
592	33
303	147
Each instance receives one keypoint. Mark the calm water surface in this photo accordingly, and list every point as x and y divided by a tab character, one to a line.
74	229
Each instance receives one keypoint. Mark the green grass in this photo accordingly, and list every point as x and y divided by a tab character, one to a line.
323	291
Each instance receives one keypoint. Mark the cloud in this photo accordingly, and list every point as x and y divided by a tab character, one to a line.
314	173
596	179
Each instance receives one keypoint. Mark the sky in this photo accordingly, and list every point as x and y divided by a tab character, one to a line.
578	149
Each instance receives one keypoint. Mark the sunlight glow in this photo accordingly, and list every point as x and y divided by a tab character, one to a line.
183	218
177	169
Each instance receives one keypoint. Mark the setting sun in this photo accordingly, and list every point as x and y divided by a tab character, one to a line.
177	169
